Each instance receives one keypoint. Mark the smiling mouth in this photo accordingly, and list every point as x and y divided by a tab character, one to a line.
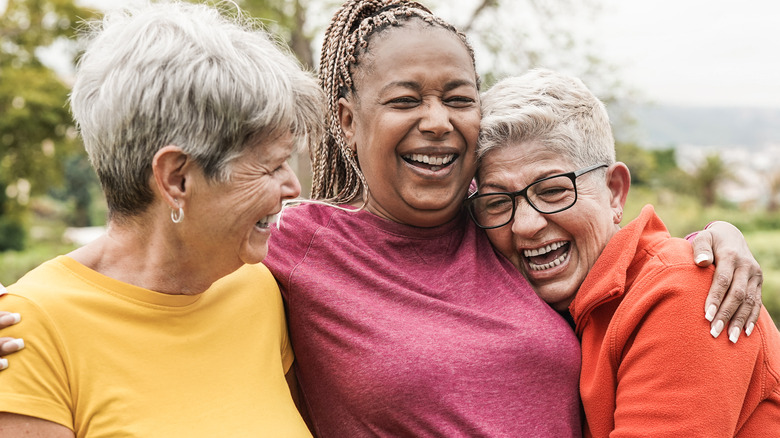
547	257
266	221
430	162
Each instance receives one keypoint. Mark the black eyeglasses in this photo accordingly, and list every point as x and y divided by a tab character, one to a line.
547	196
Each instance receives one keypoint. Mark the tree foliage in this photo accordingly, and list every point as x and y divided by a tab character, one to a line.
709	176
36	131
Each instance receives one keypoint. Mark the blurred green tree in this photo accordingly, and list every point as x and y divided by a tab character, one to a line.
708	177
36	131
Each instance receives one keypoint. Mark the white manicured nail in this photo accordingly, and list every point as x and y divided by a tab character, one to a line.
710	315
3	291
3	364
734	335
701	258
10	319
715	332
749	328
18	342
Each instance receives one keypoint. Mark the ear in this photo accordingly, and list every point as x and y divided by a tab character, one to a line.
346	112
169	168
618	183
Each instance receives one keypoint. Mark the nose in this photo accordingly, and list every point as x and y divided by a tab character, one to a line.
291	187
435	118
527	222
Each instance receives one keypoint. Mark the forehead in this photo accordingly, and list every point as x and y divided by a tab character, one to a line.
271	148
518	164
414	47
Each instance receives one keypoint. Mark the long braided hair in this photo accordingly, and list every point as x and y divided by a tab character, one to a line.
336	175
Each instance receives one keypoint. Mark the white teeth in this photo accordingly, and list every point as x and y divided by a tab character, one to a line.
544	250
553	263
266	221
427	159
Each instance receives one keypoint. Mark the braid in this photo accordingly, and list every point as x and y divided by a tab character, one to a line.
336	174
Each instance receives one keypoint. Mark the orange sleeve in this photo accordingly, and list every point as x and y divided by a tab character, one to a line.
673	378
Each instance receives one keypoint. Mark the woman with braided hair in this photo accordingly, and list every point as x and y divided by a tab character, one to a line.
404	320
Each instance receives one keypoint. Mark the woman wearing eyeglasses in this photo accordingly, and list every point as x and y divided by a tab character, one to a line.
645	370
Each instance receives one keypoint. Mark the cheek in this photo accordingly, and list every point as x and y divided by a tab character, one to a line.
470	126
501	238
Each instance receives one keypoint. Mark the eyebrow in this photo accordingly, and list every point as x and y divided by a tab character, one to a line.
495	187
413	85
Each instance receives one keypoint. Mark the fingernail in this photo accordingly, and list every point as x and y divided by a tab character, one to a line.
3	364
734	335
715	332
10	319
701	258
12	346
710	315
18	342
3	291
749	328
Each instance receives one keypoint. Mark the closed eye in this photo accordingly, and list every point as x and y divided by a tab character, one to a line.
404	102
460	101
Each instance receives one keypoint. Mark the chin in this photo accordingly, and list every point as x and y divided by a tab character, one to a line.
556	296
254	254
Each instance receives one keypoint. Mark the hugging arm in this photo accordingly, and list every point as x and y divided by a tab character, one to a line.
735	295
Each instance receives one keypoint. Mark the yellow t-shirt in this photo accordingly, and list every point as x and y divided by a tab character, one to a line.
106	358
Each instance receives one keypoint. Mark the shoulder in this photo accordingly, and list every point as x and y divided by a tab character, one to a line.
255	282
669	270
306	215
298	226
46	284
249	274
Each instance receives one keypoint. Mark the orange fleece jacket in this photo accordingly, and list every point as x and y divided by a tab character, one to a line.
649	364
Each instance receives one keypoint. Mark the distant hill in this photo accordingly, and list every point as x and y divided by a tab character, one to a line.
748	128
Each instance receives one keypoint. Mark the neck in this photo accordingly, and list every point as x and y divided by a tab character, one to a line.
148	257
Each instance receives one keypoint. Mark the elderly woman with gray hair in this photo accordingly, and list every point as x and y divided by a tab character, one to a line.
168	325
551	198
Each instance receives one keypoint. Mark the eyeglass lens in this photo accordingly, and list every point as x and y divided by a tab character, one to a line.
546	196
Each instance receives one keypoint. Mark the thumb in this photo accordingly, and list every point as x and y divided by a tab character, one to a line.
702	248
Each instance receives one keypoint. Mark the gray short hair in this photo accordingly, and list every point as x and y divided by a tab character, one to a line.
552	108
188	75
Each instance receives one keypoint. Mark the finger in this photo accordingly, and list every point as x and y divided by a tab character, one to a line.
728	308
8	319
740	319
702	248
734	298
3	291
756	310
11	345
721	282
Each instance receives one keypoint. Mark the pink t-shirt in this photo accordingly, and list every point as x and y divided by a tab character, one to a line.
405	331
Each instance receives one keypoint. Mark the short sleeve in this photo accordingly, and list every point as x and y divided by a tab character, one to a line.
36	381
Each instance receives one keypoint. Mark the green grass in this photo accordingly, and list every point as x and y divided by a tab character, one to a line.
764	245
14	264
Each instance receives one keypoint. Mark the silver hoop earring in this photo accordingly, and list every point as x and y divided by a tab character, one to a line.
177	215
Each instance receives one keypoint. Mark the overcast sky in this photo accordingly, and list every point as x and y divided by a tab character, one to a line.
696	52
